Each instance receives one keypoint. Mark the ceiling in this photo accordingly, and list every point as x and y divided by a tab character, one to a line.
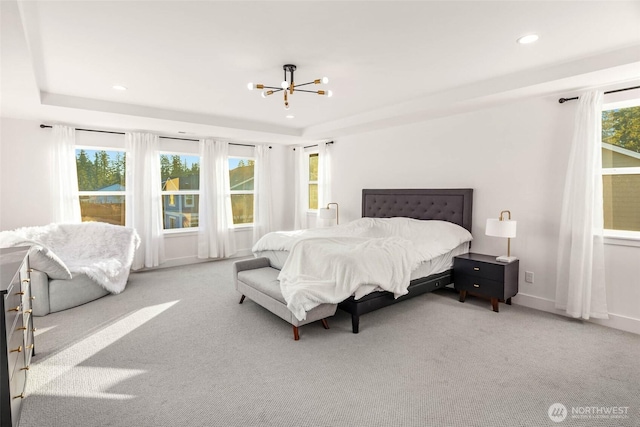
187	64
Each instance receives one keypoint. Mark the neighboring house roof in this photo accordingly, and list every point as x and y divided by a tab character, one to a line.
619	157
113	187
241	178
187	182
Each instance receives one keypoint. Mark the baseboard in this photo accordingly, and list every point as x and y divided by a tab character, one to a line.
615	321
177	262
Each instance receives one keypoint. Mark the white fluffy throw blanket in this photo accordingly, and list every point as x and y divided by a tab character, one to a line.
103	252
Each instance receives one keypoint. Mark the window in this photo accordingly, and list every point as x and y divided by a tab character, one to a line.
101	184
313	181
180	175
621	166
241	184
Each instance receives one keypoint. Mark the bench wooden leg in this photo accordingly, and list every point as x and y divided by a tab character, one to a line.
296	335
355	323
325	324
241	300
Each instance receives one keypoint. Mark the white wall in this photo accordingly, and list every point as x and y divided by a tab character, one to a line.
25	193
514	157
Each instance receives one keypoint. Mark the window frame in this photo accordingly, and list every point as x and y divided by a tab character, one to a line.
314	151
613	236
179	230
94	193
240	192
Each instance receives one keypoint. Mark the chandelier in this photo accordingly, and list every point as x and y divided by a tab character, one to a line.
288	86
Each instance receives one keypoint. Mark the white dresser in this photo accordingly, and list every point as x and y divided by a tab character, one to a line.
16	331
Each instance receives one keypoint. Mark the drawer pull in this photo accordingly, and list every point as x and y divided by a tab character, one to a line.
21	328
28	311
16	350
437	284
475	285
26	368
19	293
33	329
33	297
20	396
476	268
14	309
29	347
26	280
30	270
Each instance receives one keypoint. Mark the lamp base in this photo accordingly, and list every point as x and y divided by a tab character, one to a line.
506	259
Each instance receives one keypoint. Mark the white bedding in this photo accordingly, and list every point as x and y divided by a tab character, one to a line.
433	266
329	265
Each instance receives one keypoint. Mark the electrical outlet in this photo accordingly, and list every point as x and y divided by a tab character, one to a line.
528	276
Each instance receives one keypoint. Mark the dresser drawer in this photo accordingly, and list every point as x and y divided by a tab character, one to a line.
479	285
28	341
15	346
17	392
12	303
479	269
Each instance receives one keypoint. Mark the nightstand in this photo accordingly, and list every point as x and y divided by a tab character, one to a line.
484	276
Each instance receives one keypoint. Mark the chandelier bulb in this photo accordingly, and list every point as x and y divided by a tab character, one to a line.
329	93
286	105
325	80
284	84
250	86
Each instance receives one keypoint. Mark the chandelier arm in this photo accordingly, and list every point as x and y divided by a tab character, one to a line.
276	89
304	84
308	91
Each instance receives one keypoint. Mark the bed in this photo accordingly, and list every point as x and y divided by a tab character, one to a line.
452	205
394	205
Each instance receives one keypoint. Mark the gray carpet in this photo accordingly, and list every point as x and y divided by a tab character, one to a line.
176	349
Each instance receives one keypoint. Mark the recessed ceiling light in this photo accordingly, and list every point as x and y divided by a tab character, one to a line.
290	116
530	38
119	87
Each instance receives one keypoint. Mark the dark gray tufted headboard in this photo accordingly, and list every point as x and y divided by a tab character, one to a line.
453	205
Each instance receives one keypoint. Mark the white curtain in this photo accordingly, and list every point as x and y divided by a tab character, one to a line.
301	188
65	202
261	192
580	289
324	175
215	239
144	203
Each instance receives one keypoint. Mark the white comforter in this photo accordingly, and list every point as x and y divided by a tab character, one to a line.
331	264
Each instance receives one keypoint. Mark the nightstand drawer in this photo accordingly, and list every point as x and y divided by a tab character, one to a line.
479	285
478	269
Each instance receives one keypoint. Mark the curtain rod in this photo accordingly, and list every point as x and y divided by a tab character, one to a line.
314	145
563	100
164	137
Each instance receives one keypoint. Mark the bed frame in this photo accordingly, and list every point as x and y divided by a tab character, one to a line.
453	205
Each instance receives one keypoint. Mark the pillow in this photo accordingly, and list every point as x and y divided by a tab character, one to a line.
44	260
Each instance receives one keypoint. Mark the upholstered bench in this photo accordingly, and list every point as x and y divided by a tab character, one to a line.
256	279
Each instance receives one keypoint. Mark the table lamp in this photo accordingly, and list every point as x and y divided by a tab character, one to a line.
328	213
502	228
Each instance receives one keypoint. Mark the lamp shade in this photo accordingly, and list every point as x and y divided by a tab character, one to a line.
327	213
504	228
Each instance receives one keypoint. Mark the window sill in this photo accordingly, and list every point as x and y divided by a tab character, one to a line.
178	232
242	227
622	238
